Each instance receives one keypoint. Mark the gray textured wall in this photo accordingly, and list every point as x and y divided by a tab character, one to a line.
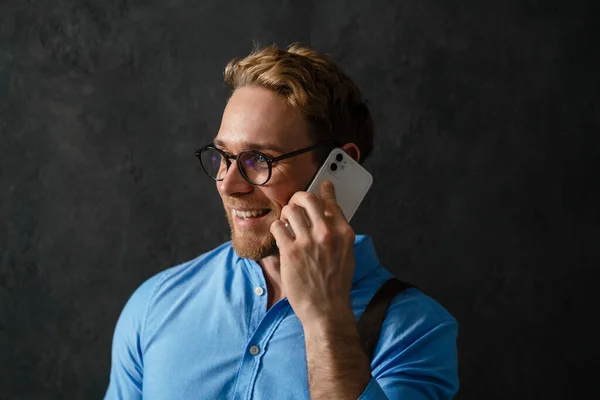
483	158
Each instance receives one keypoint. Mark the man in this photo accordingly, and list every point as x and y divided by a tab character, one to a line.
272	313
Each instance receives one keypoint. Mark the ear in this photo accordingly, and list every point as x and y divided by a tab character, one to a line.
352	150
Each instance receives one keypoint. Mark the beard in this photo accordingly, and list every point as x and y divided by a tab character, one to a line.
251	244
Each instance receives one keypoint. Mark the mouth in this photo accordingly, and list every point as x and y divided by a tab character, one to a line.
250	214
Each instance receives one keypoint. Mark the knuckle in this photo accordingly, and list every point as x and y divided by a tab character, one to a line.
348	235
304	198
292	208
287	209
310	197
348	232
324	236
296	195
275	225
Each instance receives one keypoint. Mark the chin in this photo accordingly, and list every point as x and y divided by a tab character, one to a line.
253	247
254	244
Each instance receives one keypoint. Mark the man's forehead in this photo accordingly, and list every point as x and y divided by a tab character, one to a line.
258	119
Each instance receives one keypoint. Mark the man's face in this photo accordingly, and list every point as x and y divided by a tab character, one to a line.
260	119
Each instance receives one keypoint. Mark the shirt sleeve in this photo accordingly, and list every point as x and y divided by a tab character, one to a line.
126	370
416	356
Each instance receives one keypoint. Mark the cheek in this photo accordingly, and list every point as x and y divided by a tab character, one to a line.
277	198
279	195
284	185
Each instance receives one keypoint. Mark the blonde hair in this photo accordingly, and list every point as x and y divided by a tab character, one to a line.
314	85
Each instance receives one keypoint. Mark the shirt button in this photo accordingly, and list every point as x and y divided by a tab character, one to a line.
259	291
254	350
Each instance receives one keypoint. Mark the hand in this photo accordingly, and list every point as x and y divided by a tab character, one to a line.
317	261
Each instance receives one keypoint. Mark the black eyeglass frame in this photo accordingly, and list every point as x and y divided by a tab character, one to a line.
270	160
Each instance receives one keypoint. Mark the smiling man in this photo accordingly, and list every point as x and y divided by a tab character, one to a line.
272	313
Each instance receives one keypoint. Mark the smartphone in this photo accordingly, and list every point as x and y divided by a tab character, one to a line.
351	180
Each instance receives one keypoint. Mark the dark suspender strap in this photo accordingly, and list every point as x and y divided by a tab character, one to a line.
369	324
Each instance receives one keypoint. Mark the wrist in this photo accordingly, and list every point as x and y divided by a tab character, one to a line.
332	325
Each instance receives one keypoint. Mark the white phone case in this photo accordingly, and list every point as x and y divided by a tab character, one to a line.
351	181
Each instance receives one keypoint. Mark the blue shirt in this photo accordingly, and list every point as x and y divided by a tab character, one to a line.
201	330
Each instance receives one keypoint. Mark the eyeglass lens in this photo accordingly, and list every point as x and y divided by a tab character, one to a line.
254	166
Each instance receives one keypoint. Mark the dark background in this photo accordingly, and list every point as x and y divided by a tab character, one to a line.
487	120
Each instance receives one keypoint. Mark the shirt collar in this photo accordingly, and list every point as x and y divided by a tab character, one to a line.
364	255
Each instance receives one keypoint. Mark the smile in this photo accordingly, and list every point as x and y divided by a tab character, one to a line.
245	214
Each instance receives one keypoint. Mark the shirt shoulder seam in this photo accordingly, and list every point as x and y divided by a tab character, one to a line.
165	275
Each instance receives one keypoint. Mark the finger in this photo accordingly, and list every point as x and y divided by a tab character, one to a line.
296	217
329	200
281	233
310	203
290	230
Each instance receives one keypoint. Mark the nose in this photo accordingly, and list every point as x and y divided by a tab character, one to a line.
234	183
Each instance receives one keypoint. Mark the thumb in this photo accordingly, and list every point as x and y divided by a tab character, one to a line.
329	201
328	193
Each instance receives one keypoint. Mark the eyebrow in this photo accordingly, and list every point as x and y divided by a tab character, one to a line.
253	146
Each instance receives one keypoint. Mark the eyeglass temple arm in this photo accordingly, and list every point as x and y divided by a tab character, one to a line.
301	151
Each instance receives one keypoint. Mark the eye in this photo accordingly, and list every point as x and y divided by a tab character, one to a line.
255	160
259	162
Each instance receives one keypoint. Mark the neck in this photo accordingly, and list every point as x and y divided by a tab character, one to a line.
270	266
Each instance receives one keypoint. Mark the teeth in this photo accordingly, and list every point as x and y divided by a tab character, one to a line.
249	214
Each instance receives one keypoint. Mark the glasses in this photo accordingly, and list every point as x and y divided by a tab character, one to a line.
255	167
